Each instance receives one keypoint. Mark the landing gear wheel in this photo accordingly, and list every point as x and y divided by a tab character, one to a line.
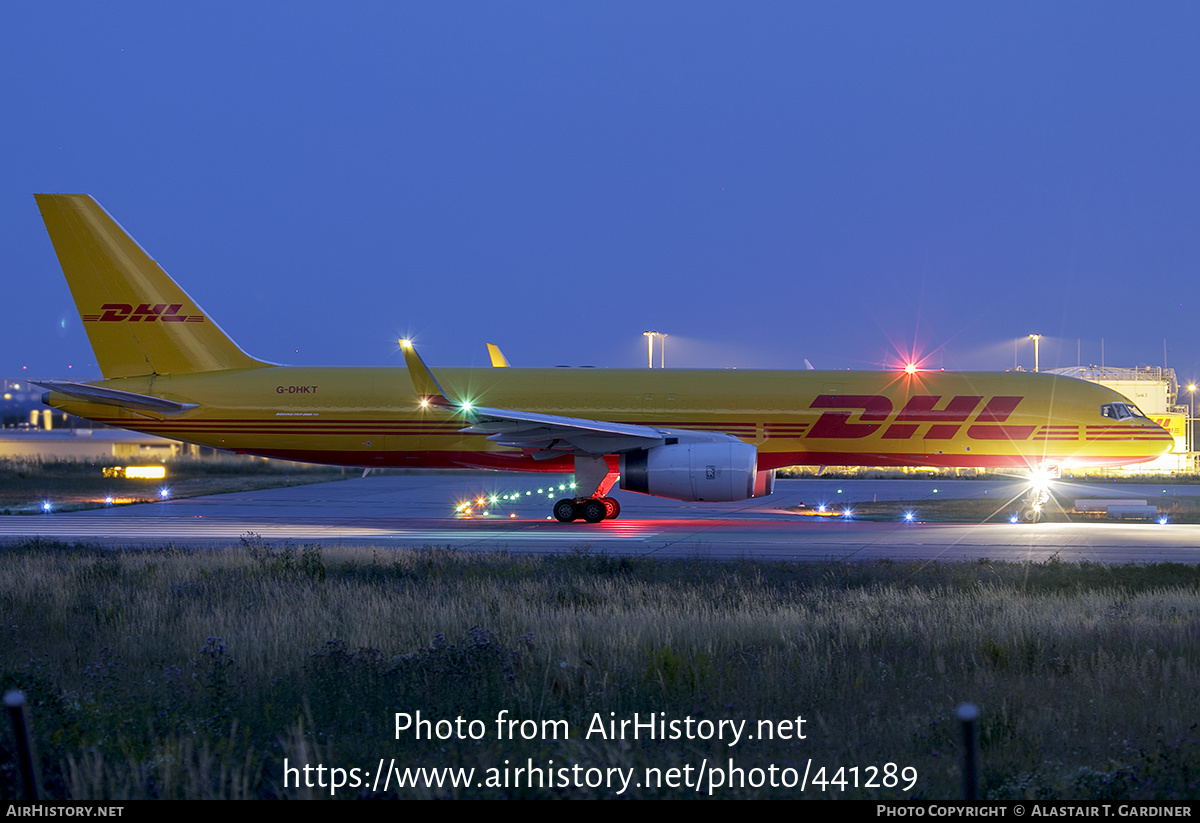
593	511
565	510
612	508
1030	515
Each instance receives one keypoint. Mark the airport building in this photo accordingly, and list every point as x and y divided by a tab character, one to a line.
17	399
89	444
33	431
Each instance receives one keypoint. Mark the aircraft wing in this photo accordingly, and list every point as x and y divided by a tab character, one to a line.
492	421
549	435
115	397
546	435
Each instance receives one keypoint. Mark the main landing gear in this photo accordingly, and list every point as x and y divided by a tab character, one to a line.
593	478
591	510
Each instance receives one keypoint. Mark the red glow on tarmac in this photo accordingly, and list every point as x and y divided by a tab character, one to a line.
645	527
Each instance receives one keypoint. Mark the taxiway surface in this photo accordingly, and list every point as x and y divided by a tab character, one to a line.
419	511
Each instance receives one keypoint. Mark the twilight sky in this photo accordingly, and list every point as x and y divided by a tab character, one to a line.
766	182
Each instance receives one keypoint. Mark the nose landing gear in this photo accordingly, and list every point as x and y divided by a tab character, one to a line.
1034	504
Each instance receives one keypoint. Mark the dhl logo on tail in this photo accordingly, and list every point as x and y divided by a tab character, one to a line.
117	312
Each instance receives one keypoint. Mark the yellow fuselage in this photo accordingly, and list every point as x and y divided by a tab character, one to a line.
371	416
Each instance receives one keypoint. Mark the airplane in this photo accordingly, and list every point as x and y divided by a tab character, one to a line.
696	435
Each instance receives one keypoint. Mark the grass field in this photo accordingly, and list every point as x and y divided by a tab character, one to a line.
179	673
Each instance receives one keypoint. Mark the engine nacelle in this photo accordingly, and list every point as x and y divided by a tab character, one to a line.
693	471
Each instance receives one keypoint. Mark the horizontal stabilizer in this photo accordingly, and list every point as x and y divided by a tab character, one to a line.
115	397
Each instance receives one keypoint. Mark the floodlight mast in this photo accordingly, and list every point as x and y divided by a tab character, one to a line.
1191	426
650	335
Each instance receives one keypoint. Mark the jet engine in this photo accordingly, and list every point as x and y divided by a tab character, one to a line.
695	471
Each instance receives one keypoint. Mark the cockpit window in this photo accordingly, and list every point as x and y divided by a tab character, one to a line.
1121	411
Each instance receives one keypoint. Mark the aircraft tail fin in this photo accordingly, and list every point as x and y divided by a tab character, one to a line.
138	320
499	361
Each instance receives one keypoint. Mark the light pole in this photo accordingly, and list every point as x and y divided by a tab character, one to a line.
662	351
1035	338
650	335
1191	426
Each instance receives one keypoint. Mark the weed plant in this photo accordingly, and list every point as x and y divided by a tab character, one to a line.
179	673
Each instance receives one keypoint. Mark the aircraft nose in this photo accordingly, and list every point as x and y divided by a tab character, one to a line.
1160	437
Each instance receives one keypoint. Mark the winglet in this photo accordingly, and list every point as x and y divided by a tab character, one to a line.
499	361
424	382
